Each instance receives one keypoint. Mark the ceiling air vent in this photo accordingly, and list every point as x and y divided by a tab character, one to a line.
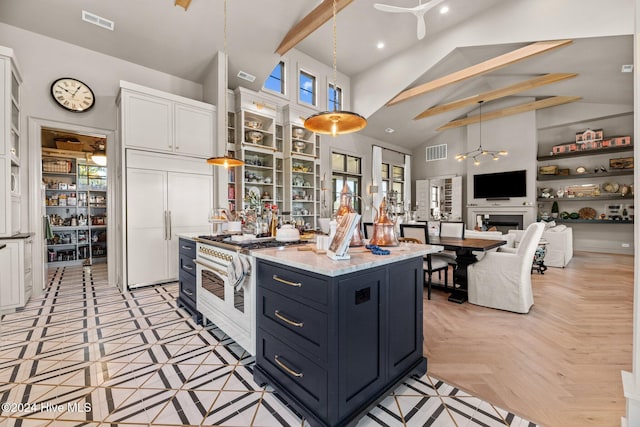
97	20
437	152
246	76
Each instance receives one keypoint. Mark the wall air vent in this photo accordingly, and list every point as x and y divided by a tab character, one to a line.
246	76
94	19
437	152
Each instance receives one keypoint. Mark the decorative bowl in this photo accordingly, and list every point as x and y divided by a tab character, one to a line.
298	133
253	124
254	137
299	145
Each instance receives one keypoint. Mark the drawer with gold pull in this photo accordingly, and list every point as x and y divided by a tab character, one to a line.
299	324
300	375
292	283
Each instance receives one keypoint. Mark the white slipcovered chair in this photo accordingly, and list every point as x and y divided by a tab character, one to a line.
502	280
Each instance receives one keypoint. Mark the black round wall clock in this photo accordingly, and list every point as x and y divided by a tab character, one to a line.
72	95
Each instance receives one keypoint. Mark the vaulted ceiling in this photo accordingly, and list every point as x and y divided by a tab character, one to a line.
159	35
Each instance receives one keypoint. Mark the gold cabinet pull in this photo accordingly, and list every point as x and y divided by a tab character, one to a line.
286	282
286	368
289	321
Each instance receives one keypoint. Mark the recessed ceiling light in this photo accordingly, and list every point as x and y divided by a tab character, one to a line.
444	9
389	130
627	68
380	45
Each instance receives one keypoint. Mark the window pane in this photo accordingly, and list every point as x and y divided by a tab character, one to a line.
337	162
353	183
353	164
385	170
275	81
307	88
385	188
398	173
334	98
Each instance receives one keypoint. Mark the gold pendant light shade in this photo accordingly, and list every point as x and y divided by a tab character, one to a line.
226	161
335	122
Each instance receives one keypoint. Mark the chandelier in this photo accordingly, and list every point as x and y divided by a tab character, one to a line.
336	122
226	161
480	152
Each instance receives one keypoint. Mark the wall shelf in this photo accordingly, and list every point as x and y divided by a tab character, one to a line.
586	175
626	148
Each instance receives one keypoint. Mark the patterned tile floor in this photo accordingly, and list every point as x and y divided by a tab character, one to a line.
86	355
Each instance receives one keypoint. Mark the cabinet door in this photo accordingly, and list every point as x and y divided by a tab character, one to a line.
147	260
361	324
189	203
11	284
193	131
5	219
405	315
147	122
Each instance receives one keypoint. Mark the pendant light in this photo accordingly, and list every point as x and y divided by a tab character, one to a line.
477	154
336	122
99	156
226	161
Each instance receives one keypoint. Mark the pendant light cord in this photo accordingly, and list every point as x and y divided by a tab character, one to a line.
335	58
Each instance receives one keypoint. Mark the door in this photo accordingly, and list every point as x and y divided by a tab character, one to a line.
189	203
193	131
147	231
147	122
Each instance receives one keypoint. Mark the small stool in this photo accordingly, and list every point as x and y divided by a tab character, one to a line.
538	257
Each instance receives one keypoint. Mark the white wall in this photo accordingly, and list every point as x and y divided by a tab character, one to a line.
43	59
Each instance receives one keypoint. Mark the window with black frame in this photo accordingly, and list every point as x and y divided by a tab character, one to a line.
346	168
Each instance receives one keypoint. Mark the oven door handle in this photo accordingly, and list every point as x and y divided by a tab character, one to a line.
212	268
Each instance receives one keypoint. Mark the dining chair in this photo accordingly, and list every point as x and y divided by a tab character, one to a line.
502	280
451	229
417	233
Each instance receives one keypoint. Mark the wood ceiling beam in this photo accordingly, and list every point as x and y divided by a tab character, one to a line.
484	67
311	22
496	94
509	111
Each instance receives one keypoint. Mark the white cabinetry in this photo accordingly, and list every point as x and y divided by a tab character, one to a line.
10	201
439	198
16	283
163	122
166	196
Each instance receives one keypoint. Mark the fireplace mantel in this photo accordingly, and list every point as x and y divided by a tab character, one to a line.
527	212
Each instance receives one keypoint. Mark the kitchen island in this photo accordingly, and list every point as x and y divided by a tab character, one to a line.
335	337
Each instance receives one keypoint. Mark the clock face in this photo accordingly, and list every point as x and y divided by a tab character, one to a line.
73	95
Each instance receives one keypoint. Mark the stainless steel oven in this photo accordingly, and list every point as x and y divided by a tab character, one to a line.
225	286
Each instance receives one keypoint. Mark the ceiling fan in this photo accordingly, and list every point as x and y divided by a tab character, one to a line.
418	11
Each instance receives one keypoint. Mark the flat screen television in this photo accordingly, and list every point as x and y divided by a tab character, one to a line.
501	185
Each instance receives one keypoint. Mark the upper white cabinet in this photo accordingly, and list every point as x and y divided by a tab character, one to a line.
10	200
162	122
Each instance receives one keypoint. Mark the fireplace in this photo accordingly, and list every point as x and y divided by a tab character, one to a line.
502	223
503	217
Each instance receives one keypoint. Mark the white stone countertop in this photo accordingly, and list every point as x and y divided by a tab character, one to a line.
361	258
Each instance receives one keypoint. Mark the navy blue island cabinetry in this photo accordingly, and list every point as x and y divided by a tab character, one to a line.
187	278
335	345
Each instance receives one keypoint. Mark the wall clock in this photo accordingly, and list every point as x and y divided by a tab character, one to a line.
72	94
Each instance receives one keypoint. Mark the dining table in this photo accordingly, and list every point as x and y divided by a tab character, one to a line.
464	249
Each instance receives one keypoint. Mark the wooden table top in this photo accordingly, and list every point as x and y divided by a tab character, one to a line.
453	243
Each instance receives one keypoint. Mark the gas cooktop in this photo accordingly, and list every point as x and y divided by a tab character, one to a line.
258	243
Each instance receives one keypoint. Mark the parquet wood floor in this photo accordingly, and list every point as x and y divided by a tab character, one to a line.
559	365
